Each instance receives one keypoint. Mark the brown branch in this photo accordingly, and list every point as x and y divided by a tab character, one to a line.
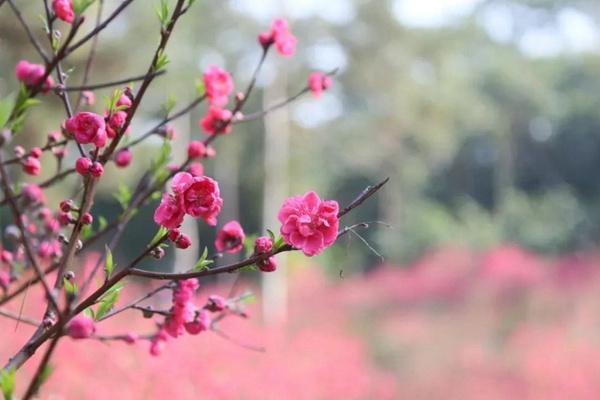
49	146
165	35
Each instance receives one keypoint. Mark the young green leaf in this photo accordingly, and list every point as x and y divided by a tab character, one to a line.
79	6
70	287
7	383
279	243
107	302
109	265
200	87
89	312
163	13
123	195
102	223
161	61
249	244
169	105
162	231
203	262
6	106
86	232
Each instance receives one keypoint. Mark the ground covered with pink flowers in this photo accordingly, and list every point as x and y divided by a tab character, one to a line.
456	324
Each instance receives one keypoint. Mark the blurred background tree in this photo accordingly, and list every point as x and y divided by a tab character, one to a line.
483	113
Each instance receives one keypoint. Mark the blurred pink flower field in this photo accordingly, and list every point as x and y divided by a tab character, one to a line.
456	324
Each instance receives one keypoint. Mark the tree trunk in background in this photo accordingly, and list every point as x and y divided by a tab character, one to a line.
276	189
227	166
185	259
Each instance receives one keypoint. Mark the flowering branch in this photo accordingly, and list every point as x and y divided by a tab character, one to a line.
365	194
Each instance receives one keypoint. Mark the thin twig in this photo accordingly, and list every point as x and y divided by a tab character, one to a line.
30	282
90	60
136	301
99	27
30	35
20	318
109	84
10	196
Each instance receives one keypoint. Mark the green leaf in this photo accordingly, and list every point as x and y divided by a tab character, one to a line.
70	287
86	232
109	265
79	6
107	302
102	222
279	243
123	195
200	88
202	263
158	170
161	61
6	107
170	104
162	231
163	13
248	268
249	244
7	383
111	102
89	312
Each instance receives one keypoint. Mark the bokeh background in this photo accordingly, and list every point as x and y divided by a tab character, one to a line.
478	275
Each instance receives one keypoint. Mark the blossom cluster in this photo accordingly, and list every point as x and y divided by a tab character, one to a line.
184	316
197	196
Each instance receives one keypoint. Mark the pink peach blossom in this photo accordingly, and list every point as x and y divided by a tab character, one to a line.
318	82
170	212
216	120
308	223
230	237
196	149
284	41
87	127
81	327
200	323
200	195
63	9
123	158
263	244
31	74
32	166
218	85
267	265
